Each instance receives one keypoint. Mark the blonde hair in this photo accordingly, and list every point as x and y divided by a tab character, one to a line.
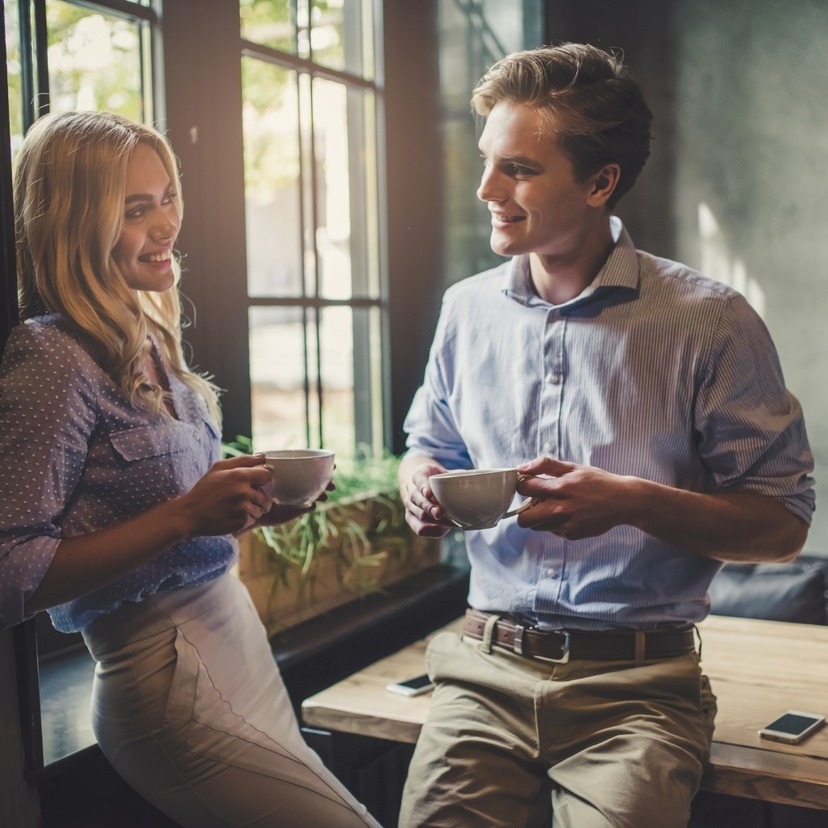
69	190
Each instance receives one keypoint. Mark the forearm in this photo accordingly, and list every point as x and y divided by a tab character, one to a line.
86	563
742	526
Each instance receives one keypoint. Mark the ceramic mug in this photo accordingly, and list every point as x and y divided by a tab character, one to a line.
300	476
479	498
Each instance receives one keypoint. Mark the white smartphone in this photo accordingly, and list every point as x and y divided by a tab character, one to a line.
411	687
792	727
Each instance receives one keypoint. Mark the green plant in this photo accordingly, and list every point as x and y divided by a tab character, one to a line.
359	525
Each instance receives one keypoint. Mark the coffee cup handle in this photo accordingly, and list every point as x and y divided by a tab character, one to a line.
522	508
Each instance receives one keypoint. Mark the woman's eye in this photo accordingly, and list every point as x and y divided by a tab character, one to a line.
136	212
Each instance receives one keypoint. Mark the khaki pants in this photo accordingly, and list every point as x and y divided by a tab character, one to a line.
515	742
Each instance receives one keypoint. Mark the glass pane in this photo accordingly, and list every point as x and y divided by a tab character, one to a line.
272	180
269	22
337	366
333	202
14	78
347	235
94	61
282	353
341	35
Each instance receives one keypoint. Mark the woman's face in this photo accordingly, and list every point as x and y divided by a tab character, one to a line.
143	252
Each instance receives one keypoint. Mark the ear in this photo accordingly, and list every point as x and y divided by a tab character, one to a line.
604	183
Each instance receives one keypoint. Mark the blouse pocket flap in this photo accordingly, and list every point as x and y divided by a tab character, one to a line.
148	441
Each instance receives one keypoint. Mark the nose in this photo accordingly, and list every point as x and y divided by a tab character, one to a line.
487	191
165	228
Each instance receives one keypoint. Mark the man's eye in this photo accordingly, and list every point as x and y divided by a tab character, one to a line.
517	170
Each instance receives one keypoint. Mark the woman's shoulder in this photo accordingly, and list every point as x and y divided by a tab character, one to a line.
48	345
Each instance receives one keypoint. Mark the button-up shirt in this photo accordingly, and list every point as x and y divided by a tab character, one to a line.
78	456
654	371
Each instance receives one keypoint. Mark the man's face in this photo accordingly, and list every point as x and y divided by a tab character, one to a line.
535	201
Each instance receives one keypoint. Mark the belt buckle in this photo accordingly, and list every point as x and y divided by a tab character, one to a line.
518	645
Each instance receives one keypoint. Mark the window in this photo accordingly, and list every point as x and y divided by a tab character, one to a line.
310	97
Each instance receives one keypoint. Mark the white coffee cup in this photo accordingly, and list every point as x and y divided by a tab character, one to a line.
479	498
299	475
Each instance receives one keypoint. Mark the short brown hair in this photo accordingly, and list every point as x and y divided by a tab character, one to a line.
600	113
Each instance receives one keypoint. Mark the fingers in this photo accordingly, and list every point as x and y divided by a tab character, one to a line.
423	513
546	465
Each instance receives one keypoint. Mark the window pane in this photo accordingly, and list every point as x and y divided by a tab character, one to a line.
337	365
347	232
269	22
14	78
333	230
282	351
341	35
94	62
272	180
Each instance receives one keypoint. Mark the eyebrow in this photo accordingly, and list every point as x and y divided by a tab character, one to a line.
130	199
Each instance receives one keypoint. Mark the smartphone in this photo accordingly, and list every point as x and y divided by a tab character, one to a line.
411	687
792	727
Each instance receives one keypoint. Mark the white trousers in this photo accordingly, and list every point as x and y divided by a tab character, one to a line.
189	708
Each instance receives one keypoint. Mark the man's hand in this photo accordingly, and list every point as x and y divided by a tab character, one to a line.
578	502
422	512
572	501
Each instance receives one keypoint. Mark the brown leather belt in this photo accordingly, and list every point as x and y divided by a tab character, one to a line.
561	646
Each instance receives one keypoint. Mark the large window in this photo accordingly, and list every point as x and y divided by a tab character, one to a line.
310	92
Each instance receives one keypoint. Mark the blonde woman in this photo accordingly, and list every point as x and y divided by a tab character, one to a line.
116	513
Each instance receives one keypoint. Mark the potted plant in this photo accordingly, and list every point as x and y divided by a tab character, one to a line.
354	543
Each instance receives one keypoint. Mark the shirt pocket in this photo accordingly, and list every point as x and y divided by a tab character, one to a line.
149	442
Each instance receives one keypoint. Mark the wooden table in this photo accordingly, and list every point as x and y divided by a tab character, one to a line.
758	669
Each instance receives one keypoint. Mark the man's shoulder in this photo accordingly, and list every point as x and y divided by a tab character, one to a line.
682	278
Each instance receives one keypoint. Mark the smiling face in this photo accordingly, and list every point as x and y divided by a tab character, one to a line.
536	203
143	252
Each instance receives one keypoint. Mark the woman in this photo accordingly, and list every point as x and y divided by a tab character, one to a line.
116	514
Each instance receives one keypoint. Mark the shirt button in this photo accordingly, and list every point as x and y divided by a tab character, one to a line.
554	379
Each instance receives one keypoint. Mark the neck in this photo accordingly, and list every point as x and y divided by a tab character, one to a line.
557	278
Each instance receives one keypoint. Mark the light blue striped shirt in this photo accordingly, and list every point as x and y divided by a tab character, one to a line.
653	370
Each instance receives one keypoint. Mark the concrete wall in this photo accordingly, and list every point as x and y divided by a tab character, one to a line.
734	186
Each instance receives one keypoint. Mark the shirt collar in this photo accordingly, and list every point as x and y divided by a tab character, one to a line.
619	271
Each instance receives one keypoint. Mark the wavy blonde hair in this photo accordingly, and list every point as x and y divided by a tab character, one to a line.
69	191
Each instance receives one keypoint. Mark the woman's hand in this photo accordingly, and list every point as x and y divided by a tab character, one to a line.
229	498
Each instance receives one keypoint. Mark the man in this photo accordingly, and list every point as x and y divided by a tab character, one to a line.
666	443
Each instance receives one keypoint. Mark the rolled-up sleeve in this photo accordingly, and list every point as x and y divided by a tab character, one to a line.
47	414
752	430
